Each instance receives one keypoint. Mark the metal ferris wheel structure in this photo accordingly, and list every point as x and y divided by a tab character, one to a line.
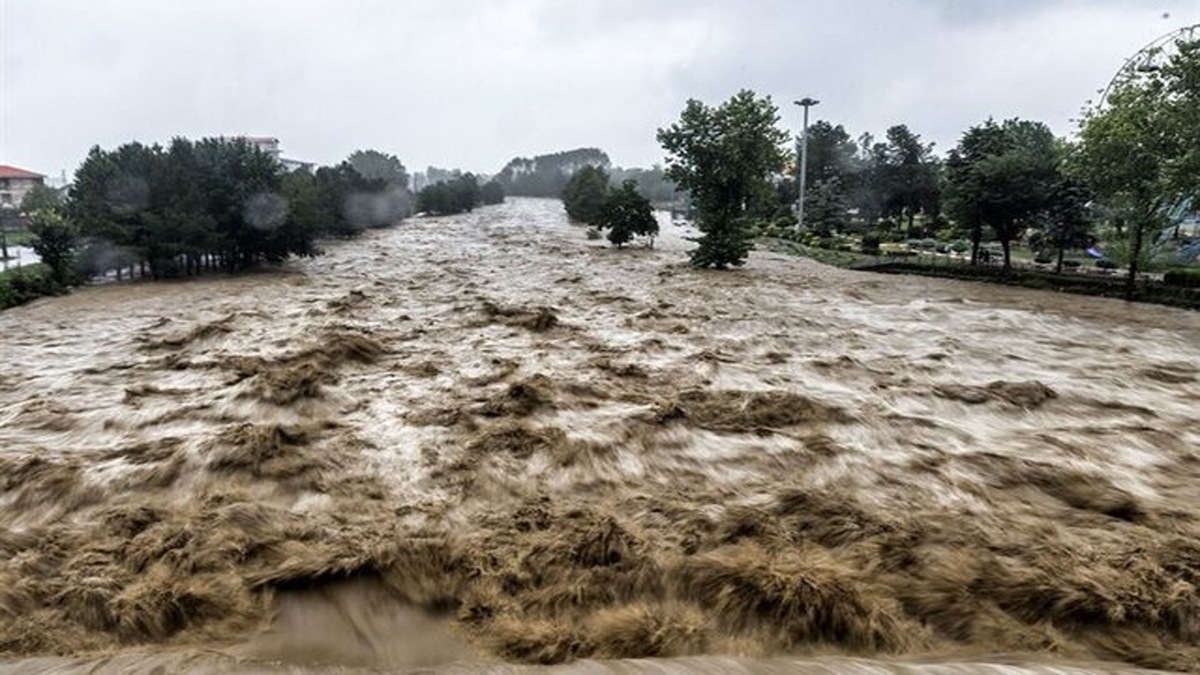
1150	59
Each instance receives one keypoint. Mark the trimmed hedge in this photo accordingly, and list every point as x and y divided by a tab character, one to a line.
1159	292
1182	278
19	286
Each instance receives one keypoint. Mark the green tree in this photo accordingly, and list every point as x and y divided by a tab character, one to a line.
375	165
1066	222
584	195
189	207
1130	154
492	192
832	171
907	176
55	243
1002	175
626	214
458	195
40	197
723	157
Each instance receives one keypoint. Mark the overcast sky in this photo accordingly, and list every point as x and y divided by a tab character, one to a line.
472	83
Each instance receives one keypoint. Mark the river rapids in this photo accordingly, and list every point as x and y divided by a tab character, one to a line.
481	443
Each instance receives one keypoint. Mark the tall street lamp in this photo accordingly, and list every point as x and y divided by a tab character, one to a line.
805	103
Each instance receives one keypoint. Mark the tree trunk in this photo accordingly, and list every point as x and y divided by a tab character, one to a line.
1058	266
1005	244
1135	258
975	237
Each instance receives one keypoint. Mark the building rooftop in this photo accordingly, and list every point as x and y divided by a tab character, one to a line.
7	171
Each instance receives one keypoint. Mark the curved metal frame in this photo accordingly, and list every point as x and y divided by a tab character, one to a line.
1149	58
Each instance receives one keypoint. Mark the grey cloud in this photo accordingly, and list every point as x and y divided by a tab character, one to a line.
471	83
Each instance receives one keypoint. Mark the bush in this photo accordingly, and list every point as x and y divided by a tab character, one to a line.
1106	264
870	244
960	246
1071	263
27	283
928	244
1183	278
1044	258
593	233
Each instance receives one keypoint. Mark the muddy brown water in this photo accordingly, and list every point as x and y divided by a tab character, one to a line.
476	443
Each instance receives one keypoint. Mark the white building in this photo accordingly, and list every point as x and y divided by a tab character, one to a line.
15	184
270	145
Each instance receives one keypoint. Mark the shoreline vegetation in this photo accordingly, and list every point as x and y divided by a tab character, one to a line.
1179	290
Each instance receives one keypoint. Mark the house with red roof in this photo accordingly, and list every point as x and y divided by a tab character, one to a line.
15	183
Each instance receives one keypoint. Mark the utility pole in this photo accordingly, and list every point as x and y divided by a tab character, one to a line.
805	103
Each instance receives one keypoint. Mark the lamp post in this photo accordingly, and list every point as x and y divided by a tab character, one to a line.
806	103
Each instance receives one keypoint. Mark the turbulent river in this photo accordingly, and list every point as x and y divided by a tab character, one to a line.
469	444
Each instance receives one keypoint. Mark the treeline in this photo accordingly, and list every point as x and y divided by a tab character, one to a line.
220	204
1133	166
547	175
459	193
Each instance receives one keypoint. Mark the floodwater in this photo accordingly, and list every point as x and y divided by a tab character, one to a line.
474	443
19	256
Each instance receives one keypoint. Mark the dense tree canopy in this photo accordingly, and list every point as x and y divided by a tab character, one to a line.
209	202
460	195
583	197
626	214
40	197
375	165
1139	151
724	156
215	203
55	243
1003	176
492	192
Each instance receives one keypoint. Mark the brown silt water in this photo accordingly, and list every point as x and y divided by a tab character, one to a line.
483	443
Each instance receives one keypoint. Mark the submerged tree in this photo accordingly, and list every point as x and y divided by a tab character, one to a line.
626	214
583	197
492	192
188	207
723	157
459	195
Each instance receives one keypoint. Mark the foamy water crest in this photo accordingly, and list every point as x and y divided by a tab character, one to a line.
481	442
